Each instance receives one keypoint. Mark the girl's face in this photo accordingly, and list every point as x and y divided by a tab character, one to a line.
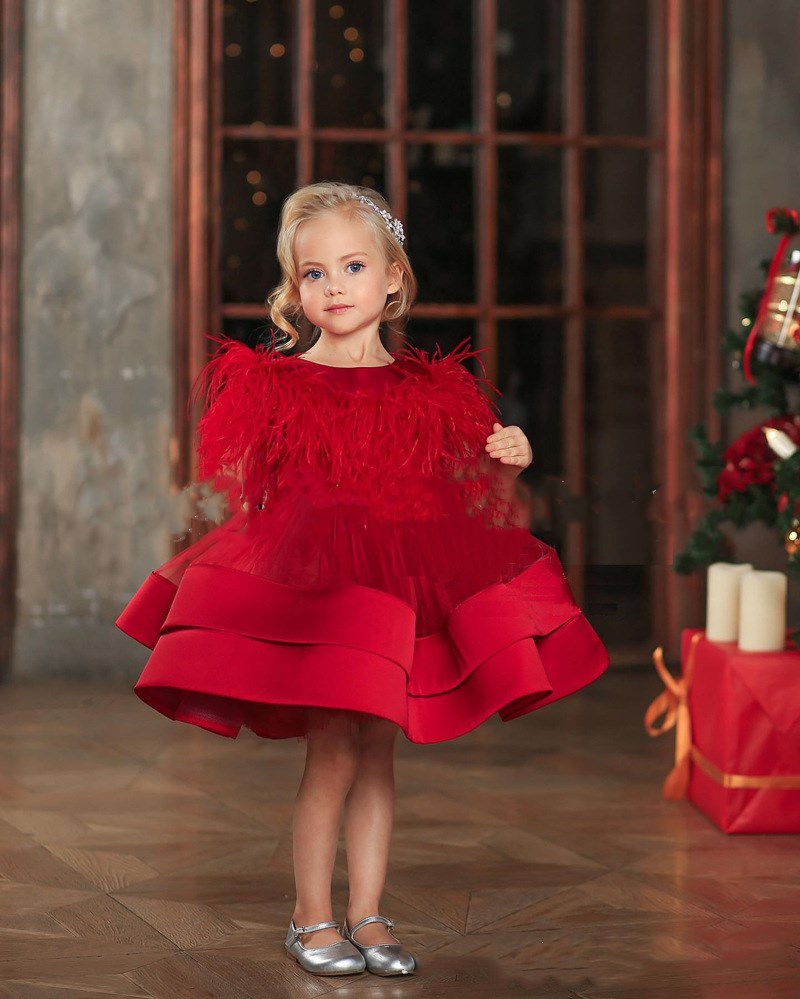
343	277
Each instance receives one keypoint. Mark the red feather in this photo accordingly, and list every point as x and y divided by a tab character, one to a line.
271	423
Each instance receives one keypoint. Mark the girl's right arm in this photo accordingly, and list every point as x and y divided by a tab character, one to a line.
235	438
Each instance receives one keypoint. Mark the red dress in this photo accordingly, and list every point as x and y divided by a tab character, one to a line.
374	559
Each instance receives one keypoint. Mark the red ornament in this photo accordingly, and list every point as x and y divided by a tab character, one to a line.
749	460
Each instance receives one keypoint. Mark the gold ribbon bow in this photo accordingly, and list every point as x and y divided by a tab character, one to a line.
673	703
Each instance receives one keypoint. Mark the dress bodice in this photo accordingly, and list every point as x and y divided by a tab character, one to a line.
355	376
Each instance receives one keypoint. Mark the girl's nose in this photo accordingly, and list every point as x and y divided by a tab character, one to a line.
333	289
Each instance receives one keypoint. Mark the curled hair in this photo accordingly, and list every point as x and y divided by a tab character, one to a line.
309	203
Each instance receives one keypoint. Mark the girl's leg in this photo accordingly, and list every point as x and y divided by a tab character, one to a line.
368	818
331	762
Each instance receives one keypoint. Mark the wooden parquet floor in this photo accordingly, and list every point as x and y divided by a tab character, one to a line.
142	857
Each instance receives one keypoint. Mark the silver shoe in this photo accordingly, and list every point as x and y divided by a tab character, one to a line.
340	958
382	959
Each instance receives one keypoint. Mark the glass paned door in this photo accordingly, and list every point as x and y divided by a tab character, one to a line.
519	143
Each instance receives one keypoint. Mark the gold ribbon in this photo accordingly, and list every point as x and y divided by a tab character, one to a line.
783	782
673	704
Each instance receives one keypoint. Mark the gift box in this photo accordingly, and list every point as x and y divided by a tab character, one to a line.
737	740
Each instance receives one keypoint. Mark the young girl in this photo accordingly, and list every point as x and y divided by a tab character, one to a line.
375	572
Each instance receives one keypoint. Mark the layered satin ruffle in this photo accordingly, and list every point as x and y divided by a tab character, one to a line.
375	561
231	649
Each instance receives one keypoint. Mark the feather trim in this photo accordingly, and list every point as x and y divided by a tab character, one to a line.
459	415
241	413
273	424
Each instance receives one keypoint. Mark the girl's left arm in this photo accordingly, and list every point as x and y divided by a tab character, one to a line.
510	448
507	453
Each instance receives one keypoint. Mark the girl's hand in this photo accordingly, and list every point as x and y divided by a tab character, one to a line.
509	446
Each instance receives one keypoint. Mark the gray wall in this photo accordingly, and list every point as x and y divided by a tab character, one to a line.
761	171
96	389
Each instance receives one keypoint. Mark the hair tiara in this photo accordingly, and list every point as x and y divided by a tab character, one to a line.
395	226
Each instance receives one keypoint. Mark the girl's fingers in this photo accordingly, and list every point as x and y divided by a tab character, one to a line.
504	445
508	445
500	432
509	441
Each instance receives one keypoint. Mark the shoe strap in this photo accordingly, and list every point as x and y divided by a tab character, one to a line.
315	926
370	919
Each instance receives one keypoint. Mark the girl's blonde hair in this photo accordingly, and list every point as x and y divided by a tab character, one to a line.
318	199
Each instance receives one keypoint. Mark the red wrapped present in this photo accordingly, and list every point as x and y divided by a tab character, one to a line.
737	733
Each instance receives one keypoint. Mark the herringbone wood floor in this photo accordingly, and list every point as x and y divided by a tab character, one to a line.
143	857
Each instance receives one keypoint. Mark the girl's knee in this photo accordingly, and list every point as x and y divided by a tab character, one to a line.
332	744
376	735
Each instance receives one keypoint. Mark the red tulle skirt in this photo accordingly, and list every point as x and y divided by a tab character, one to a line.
319	606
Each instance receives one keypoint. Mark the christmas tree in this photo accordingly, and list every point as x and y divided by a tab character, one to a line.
757	477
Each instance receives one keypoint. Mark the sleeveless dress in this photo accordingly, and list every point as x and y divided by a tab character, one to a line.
373	560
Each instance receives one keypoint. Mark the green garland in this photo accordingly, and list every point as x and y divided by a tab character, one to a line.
787	483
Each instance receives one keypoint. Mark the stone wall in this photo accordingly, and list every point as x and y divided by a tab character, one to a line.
96	337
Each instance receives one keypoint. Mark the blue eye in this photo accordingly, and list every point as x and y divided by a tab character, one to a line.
312	272
356	263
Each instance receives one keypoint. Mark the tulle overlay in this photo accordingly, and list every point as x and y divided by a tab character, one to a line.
374	560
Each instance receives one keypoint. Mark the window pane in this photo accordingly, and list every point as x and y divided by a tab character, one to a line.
617	60
257	57
351	163
530	364
440	224
616	226
350	64
447	333
440	46
529	45
530	372
529	250
256	178
249	331
619	475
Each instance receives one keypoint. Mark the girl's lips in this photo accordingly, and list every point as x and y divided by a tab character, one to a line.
339	308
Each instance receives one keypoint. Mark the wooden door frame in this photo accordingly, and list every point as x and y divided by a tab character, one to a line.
10	135
692	321
686	265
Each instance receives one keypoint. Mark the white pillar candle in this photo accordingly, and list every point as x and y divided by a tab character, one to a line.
762	611
722	600
781	443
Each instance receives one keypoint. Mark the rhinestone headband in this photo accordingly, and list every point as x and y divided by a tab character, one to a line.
395	226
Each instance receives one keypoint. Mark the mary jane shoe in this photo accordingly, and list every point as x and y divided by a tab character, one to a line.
340	958
382	959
